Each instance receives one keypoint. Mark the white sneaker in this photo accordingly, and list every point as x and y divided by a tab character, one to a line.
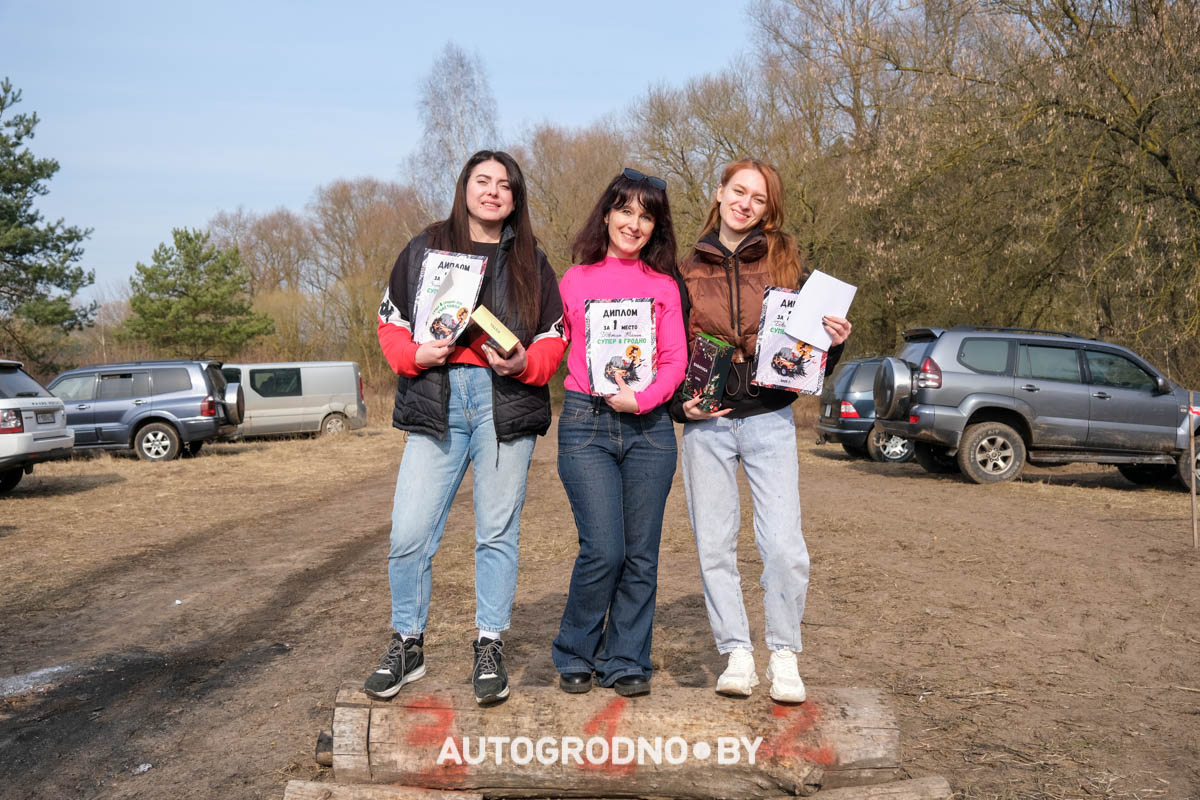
786	685
739	677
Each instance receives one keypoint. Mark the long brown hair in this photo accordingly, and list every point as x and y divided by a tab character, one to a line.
591	243
783	258
454	234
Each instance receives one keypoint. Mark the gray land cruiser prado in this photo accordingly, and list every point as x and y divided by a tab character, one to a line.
984	401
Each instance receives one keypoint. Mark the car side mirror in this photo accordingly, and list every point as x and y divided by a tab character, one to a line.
1161	386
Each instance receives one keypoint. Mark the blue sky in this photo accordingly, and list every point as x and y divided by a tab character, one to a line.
162	114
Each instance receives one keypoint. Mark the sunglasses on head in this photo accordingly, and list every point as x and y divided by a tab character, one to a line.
634	175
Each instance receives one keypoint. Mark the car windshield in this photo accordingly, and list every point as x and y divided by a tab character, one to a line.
864	377
15	382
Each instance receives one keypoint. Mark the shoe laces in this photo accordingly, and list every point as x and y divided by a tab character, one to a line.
394	657
489	655
741	659
783	663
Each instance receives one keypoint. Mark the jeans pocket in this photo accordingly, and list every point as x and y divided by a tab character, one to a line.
658	429
576	430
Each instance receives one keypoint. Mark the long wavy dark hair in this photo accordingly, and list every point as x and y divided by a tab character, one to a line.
454	234
591	243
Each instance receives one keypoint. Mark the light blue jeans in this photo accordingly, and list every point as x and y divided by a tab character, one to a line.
430	474
765	445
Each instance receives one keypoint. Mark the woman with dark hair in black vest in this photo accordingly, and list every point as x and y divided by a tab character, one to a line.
463	404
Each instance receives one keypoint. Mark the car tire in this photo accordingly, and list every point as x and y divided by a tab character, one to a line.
934	459
1147	474
9	479
854	450
991	452
888	448
334	424
1183	470
157	441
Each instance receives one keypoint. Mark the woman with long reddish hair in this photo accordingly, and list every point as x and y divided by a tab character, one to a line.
742	250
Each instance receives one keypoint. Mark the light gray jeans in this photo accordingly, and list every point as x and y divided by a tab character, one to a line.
765	444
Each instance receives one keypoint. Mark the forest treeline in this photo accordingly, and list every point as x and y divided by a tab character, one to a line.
1031	163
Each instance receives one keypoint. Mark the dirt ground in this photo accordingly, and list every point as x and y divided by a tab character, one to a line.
193	620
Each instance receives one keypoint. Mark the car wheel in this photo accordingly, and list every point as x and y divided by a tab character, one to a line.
156	442
334	424
888	448
9	479
1147	474
854	450
193	447
933	458
1183	470
991	452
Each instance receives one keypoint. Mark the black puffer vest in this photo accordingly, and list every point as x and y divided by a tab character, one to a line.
423	402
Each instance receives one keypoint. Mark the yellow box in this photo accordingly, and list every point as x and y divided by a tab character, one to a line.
504	340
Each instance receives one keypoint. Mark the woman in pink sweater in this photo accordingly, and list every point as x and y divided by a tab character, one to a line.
616	444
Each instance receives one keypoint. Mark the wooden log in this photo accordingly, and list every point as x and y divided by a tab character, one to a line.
311	790
676	742
932	788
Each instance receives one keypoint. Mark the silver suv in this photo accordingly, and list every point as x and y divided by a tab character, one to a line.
33	425
984	401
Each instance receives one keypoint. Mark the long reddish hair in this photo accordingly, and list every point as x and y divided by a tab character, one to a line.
783	258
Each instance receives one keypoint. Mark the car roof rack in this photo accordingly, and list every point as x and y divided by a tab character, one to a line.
1001	329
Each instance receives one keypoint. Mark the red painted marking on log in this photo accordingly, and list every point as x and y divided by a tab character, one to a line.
786	743
608	719
433	734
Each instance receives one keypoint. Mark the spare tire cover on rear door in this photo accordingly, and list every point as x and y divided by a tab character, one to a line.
235	403
893	389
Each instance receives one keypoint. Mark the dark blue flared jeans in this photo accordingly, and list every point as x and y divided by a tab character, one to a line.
617	470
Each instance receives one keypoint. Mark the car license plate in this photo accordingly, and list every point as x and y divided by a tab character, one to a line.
45	417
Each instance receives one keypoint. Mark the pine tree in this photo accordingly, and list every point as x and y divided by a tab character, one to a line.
192	301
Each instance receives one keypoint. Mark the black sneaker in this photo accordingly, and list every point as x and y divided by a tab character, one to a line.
404	662
489	676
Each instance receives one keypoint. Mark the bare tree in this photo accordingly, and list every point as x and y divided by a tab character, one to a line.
458	118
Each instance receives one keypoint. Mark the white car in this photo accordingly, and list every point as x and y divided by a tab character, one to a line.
33	425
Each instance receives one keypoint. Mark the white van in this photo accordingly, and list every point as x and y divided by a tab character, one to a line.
299	397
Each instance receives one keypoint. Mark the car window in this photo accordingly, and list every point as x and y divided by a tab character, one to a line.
984	355
1050	363
76	388
171	379
15	382
864	377
1112	369
281	382
914	352
232	374
121	385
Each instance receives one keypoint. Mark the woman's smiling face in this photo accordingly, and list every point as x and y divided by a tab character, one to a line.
743	200
488	194
629	228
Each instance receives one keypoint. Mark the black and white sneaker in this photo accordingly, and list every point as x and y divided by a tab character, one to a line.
404	662
489	677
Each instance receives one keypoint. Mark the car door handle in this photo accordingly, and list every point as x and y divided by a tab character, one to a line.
1101	395
140	402
1029	387
82	407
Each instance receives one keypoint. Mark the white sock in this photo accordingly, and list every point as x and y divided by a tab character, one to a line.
487	635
